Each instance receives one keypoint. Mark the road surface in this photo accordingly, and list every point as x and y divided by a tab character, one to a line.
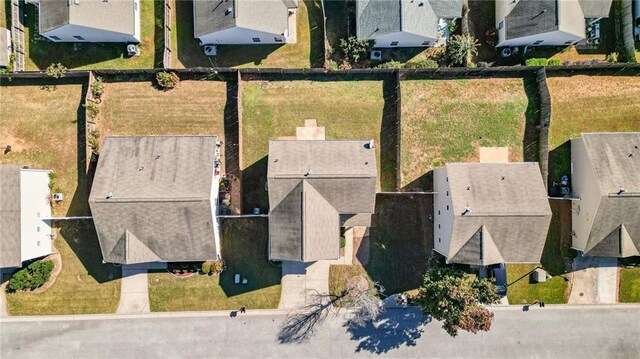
550	332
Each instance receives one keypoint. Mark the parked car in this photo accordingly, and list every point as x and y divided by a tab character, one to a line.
499	274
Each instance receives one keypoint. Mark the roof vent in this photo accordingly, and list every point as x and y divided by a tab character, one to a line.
370	145
157	157
468	188
503	178
110	195
621	191
229	10
308	173
140	168
466	210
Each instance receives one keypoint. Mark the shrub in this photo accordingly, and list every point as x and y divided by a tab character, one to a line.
355	50
92	109
217	266
536	62
555	62
612	57
343	242
206	267
422	64
167	80
331	65
32	277
56	70
569	252
461	47
390	65
97	87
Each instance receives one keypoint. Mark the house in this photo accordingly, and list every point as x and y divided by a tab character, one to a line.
234	22
89	20
317	186
549	22
489	213
154	199
25	232
605	176
404	23
5	47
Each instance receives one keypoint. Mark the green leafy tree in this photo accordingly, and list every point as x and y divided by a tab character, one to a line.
457	300
32	277
355	50
461	48
167	80
56	70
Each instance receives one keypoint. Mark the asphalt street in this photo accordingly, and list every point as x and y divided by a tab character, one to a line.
550	332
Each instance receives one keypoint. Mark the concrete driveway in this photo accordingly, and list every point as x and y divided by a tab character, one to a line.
134	288
595	280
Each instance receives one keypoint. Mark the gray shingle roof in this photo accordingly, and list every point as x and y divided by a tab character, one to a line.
595	8
616	226
509	213
4	47
263	15
10	252
381	17
310	184
159	205
531	17
115	16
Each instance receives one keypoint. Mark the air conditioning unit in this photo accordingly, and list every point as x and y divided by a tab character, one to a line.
210	50
58	197
505	52
376	55
133	50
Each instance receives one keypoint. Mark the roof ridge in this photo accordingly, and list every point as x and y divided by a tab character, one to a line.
140	200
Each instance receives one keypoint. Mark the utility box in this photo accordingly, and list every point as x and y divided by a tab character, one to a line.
539	276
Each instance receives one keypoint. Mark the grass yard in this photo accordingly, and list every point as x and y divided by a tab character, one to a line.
5	14
272	110
41	53
401	238
339	276
85	285
244	249
138	108
447	120
553	291
588	104
629	291
41	125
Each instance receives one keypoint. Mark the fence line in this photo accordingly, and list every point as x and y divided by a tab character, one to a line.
544	124
166	56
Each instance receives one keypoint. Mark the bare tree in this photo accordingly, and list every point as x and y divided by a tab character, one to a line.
359	299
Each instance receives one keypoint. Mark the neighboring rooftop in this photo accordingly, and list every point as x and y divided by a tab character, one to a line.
5	47
151	198
117	16
263	15
615	160
312	186
381	17
10	255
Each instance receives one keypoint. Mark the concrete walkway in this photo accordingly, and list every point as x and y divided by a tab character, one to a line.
134	288
595	280
3	299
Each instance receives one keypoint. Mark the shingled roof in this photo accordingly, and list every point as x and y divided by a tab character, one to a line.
381	17
614	159
151	199
10	255
117	16
500	213
314	187
262	15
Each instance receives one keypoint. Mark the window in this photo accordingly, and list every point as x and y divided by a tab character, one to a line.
439	240
447	179
447	193
426	43
438	225
438	212
501	25
277	39
447	207
38	214
538	42
38	229
256	39
394	43
38	243
79	37
55	38
568	42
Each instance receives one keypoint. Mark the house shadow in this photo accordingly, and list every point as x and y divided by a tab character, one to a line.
190	53
389	133
235	55
316	33
531	138
422	183
391	330
254	184
559	165
245	248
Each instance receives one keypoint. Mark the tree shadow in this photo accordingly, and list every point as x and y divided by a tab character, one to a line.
254	181
559	165
391	330
531	138
316	34
244	249
232	144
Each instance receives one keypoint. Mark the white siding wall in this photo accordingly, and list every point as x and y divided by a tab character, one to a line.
404	39
35	233
240	36
553	38
586	188
571	18
443	218
67	33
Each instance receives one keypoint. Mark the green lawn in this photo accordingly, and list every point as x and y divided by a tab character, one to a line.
272	110
447	120
629	285
588	104
553	291
339	276
306	52
41	53
244	249
5	14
